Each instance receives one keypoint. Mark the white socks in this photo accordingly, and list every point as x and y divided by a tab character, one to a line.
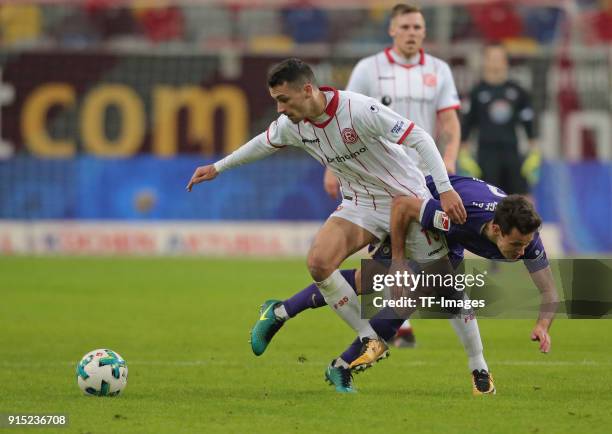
281	313
339	295
469	334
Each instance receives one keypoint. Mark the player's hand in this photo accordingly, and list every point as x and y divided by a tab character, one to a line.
540	333
201	174
453	206
330	184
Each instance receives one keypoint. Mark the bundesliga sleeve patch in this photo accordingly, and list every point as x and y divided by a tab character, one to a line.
441	221
397	128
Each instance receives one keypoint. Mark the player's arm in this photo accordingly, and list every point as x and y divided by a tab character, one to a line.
426	147
537	264
449	126
255	149
544	281
382	122
526	115
531	165
449	137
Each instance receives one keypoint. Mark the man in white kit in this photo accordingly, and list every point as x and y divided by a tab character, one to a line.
359	140
417	86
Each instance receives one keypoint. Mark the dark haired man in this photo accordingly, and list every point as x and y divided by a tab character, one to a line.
356	137
497	106
497	227
416	85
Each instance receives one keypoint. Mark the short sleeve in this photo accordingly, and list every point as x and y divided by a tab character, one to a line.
535	258
433	217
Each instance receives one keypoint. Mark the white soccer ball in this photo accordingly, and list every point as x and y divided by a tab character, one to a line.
102	373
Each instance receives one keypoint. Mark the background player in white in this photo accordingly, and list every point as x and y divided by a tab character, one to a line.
416	85
358	139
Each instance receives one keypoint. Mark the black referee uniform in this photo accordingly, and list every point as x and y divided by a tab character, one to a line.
495	111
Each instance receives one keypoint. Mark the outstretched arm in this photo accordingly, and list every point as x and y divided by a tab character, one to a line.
255	149
545	283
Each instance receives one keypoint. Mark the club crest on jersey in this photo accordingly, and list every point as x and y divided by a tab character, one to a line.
441	221
430	80
349	136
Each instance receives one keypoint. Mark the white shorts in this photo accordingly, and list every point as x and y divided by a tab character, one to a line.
421	245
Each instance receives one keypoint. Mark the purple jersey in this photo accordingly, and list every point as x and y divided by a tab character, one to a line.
480	200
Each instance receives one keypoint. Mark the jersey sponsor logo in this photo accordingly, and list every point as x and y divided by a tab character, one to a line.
349	136
397	128
430	80
310	141
345	157
441	221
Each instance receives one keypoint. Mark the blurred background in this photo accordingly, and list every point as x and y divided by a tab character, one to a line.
108	106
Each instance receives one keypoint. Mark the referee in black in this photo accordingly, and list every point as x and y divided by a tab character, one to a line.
497	106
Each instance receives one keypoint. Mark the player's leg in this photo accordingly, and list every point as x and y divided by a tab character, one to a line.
271	319
468	332
426	249
466	327
336	240
347	230
373	225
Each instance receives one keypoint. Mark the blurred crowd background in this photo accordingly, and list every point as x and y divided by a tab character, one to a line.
261	26
108	106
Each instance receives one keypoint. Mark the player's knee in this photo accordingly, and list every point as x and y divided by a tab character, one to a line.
318	267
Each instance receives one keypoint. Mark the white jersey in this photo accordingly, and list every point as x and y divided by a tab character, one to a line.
357	138
417	91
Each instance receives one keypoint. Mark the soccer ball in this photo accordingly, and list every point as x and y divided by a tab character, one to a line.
102	373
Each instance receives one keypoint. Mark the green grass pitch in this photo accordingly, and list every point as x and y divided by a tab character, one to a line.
182	325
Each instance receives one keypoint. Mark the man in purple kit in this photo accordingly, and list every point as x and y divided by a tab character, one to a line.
497	227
